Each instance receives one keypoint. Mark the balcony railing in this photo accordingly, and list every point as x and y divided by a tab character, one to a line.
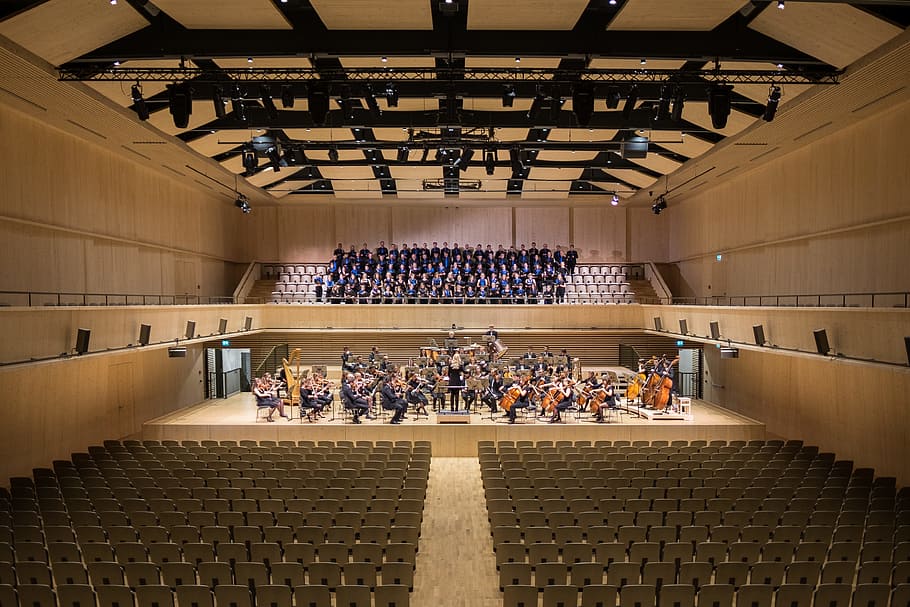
48	298
897	299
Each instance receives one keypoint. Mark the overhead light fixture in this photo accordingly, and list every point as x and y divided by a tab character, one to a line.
489	161
113	2
515	160
465	159
614	200
583	103
347	105
662	108
679	101
274	155
391	95
249	160
536	105
265	95
384	59
508	95
318	104
643	61
243	204
774	94
517	59
631	100
403	153
371	102
237	104
613	97
142	110
780	4
333	154
659	205
719	104
612	3
249	59
180	103
218	102
287	96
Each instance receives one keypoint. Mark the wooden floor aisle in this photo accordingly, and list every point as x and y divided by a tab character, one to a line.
455	565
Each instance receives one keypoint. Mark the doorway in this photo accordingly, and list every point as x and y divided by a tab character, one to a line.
227	372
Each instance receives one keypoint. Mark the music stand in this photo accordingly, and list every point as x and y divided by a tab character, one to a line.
451	343
488	339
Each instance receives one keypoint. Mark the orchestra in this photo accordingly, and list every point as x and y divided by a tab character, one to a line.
539	382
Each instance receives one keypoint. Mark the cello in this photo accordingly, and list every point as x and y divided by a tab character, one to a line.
662	395
510	397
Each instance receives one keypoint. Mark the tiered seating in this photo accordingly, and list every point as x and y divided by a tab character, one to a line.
295	283
268	523
666	523
602	283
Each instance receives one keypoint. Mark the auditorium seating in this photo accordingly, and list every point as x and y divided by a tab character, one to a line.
230	523
675	523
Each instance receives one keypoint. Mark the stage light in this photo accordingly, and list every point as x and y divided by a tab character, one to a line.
274	156
318	105
244	205
662	108
371	102
237	104
142	110
489	161
536	105
780	4
465	159
287	96
249	59
218	102
631	100
384	59
508	95
250	162
583	103
333	154
403	153
613	97
612	3
265	95
614	200
347	108
180	103
774	94
719	104
679	101
391	95
515	160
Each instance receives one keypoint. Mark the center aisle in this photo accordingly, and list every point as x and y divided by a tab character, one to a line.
456	566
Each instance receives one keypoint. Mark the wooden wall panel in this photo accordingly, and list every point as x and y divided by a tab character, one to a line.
544	225
303	233
355	225
603	232
464	225
831	217
647	235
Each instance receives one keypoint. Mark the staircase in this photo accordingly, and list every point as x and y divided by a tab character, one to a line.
644	292
261	291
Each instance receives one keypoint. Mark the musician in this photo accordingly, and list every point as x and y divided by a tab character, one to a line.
322	393
456	381
391	399
590	385
374	355
609	400
415	395
352	400
266	393
565	353
566	396
308	400
494	392
666	368
439	399
524	398
347	360
571	259
492	332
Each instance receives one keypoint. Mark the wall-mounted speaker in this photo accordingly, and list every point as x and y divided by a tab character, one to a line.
658	326
715	329
145	334
758	332
190	329
729	352
248	323
222	325
907	346
683	326
176	352
821	341
82	339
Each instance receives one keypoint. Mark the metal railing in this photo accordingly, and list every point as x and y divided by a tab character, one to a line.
49	298
895	299
272	360
603	299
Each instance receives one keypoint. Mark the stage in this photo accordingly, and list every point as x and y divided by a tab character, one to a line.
235	418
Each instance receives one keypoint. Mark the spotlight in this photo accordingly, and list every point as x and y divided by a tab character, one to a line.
614	200
719	104
274	158
613	97
465	159
371	102
218	102
250	162
489	161
237	104
662	109
244	205
265	95
425	154
536	105
631	100
180	102
612	3
403	153
318	102
515	160
333	154
774	94
679	100
391	95
347	108
583	103
139	105
659	205
780	4
508	95
287	96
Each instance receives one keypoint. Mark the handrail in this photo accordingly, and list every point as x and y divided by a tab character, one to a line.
249	278
657	281
63	298
887	299
270	357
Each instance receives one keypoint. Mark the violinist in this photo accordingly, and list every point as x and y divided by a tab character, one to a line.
308	400
352	400
266	393
494	392
391	398
347	360
322	393
609	400
524	398
566	398
439	398
415	395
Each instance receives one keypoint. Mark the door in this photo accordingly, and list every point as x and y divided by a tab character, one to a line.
120	390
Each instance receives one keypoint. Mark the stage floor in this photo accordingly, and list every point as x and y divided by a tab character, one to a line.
235	418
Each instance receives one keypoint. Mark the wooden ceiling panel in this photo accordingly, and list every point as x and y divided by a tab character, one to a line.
390	134
343	156
283	189
120	92
610	63
546	189
61	30
473	62
555	173
656	162
413	188
374	14
511	134
494	104
696	112
586	135
686	145
356	188
225	14
410	104
496	183
391	62
267	177
530	15
613	186
673	15
566	155
632	176
415	172
219	142
838	34
346	171
280	63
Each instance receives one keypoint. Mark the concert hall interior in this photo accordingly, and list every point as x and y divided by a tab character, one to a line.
649	225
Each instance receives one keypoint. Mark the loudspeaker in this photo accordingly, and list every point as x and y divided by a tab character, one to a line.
821	341
683	326
82	338
715	329
729	352
145	334
907	346
759	333
222	325
658	326
248	323
190	329
176	352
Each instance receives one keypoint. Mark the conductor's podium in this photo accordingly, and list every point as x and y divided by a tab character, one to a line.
454	417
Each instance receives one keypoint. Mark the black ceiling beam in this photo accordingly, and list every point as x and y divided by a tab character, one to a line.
167	40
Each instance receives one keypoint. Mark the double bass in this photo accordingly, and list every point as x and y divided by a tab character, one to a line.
637	383
662	395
